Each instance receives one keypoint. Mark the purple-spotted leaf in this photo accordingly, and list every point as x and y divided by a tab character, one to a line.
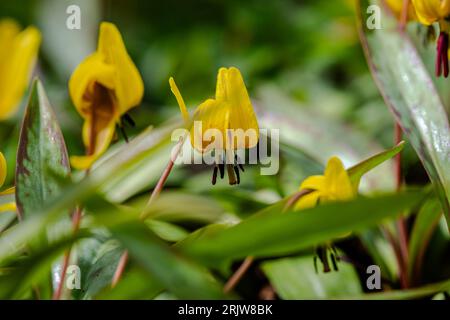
42	160
410	93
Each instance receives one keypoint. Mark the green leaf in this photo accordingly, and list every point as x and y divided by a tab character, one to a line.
424	225
167	231
416	293
42	160
178	275
137	149
408	90
357	171
136	284
296	278
276	233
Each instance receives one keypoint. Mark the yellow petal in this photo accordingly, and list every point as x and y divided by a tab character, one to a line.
307	201
313	183
8	207
430	11
213	115
338	186
180	100
98	132
129	86
18	52
231	90
3	169
83	81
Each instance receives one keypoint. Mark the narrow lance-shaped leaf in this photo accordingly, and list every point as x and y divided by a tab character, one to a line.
357	171
408	90
42	160
278	233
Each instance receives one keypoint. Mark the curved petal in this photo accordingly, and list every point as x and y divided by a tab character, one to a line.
231	89
18	56
307	201
337	182
429	11
82	82
313	183
129	86
180	100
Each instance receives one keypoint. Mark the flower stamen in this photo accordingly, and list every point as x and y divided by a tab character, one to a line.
442	63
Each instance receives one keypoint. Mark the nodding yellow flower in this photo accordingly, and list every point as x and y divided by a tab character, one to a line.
230	115
103	88
429	12
10	206
18	52
334	185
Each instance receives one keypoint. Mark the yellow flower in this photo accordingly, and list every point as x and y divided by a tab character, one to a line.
230	114
334	185
18	52
103	88
10	206
429	12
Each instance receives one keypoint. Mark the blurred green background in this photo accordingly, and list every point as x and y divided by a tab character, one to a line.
303	52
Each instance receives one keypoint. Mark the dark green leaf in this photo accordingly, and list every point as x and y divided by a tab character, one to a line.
277	233
42	160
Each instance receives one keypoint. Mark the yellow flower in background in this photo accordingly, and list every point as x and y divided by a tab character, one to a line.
230	113
9	206
103	88
18	52
334	185
429	12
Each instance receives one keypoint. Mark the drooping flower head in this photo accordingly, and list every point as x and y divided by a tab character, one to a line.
9	206
103	88
334	185
229	118
18	52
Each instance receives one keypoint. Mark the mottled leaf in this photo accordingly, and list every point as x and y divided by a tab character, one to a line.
410	93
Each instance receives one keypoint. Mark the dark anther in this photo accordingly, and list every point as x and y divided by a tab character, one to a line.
222	170
122	130
333	260
236	171
442	55
214	177
231	175
128	119
322	254
315	264
238	163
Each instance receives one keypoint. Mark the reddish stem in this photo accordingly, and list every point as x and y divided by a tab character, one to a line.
76	219
155	193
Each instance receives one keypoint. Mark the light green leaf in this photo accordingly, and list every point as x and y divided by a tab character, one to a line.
409	91
296	278
424	225
357	171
